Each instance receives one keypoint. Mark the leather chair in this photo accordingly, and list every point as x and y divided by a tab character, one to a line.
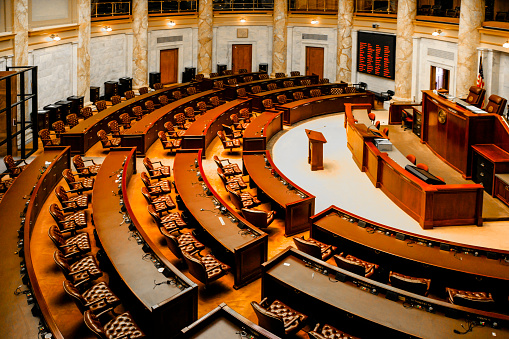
80	186
298	95
228	144
219	84
158	86
305	82
315	93
228	72
372	117
163	100
205	269
237	123
263	76
280	75
156	172
386	131
327	332
475	96
106	142
288	83
58	127
411	158
213	75
101	105
180	121
315	248
155	188
478	300
241	93
80	272
336	91
278	318
75	203
114	128
355	265
143	90
86	112
258	218
125	120
377	124
229	168
496	105
214	101
245	115
160	202
199	77
407	121
46	139
189	113
177	95
191	90
231	133
168	145
122	326
138	112
268	105
423	167
236	183
115	100
272	87
171	222
248	78
256	89
72	120
172	132
411	284
232	82
242	199
183	243
129	95
149	106
72	247
242	70
323	81
294	73
77	220
201	106
350	89
281	99
98	299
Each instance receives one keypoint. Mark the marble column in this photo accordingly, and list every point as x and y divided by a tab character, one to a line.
140	43
407	10
471	17
344	53
279	52
20	29
84	8
205	34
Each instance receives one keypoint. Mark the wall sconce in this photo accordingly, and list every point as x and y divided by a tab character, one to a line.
243	20
314	21
438	32
53	37
171	23
106	29
506	44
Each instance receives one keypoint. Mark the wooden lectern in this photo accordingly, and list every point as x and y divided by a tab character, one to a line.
315	148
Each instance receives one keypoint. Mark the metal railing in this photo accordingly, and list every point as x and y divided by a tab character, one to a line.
177	6
313	6
376	6
106	9
243	5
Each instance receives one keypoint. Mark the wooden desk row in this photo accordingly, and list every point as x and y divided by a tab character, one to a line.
208	83
36	182
143	133
259	97
235	241
297	204
231	91
151	305
84	135
260	130
448	264
430	205
304	109
365	308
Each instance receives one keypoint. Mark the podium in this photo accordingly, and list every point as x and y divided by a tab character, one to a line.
315	149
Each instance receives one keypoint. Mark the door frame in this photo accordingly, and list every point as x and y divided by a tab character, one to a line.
180	47
326	70
254	49
452	75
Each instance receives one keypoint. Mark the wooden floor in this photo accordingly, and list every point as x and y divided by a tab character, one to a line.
209	298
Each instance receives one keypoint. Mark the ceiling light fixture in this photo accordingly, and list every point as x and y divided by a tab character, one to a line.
242	20
171	23
506	44
314	21
53	37
437	32
106	29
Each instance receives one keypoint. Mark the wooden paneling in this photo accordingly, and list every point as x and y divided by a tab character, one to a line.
242	56
169	65
314	61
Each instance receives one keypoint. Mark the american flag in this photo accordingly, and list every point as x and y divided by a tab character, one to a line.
480	75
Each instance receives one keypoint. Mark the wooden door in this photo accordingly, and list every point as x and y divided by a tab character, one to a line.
169	65
314	61
242	56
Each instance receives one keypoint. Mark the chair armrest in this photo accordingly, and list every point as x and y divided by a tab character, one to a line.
158	162
90	160
263	303
68	208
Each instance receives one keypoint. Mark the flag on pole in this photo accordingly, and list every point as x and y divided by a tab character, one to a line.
480	75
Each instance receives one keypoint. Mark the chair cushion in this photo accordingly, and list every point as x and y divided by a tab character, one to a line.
291	318
81	242
326	250
88	263
411	284
481	300
327	332
102	292
213	267
175	218
123	326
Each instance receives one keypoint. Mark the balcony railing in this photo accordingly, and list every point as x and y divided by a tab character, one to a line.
243	5
176	6
376	6
106	9
313	6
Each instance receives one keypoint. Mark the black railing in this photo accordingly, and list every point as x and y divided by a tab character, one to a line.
243	5
177	6
313	6
376	6
107	9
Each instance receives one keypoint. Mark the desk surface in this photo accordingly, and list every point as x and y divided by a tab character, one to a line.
122	249
257	125
297	275
203	122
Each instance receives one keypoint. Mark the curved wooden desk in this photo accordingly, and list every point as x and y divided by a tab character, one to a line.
259	97
209	82
298	205
84	135
430	205
231	91
304	109
201	132
36	182
361	307
152	306
447	264
243	246
260	130
143	133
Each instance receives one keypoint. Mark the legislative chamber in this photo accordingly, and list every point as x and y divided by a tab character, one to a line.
225	169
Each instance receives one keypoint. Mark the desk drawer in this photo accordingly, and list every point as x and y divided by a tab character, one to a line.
483	172
502	190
